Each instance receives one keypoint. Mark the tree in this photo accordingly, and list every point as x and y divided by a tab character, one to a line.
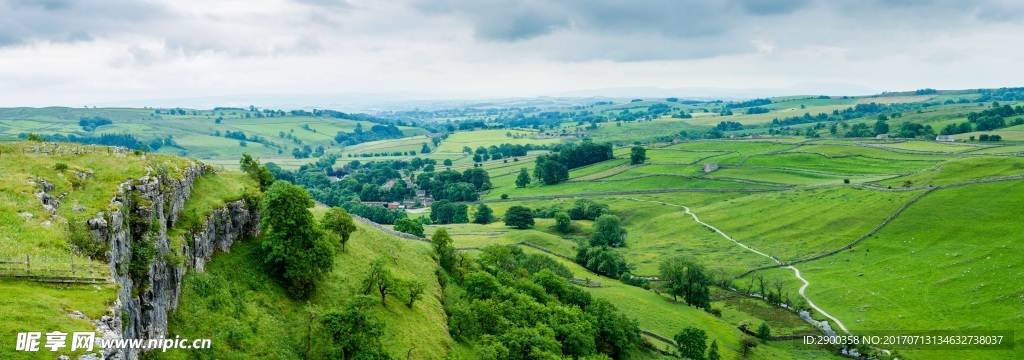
294	247
692	343
562	222
409	226
881	127
257	172
747	343
523	179
608	231
617	334
355	332
478	177
687	279
484	214
340	223
519	216
414	288
763	332
425	149
637	155
713	351
379	279
442	243
448	162
549	171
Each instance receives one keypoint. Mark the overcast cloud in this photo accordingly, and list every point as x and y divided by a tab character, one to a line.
68	52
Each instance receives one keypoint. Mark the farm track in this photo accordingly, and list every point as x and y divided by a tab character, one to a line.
747	247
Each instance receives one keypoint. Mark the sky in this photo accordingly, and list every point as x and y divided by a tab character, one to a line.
87	52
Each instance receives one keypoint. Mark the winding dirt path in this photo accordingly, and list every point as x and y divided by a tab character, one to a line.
745	246
811	304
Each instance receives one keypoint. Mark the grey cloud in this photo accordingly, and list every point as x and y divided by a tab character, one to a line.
26	21
772	7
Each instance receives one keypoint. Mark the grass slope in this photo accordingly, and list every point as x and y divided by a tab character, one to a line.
248	314
924	271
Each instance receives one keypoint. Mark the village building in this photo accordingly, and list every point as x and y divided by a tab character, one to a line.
882	137
946	138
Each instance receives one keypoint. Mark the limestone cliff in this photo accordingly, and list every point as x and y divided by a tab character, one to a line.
143	263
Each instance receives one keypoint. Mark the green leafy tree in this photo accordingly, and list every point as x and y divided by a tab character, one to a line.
637	155
448	162
523	179
379	279
425	149
687	279
692	343
608	231
484	214
257	172
293	245
340	223
409	226
618	335
562	222
519	216
746	344
881	127
442	243
763	332
713	353
355	333
478	177
414	290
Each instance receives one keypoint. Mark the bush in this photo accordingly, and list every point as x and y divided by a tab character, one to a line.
409	226
60	166
519	216
504	196
562	222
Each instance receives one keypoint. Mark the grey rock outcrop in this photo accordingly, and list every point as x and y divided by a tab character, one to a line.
143	211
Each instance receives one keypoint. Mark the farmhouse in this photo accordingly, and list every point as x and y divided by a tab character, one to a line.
711	166
947	138
882	137
374	203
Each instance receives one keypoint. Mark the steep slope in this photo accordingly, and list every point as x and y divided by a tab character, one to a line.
122	237
248	314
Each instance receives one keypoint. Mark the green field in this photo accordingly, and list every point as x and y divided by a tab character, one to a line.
933	272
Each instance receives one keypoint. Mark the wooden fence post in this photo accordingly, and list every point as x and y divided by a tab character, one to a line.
28	265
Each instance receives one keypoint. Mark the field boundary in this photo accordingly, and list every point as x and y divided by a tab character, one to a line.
46	269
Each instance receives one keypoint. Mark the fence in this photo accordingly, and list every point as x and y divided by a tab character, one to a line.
57	270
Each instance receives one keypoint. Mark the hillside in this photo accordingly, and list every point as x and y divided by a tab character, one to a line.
77	221
247	314
202	134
